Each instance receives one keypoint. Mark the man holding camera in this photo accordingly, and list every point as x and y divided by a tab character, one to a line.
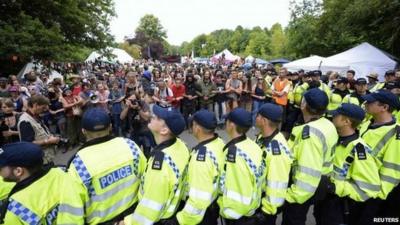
32	129
136	113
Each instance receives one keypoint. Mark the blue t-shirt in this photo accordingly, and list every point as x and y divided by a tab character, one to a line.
116	107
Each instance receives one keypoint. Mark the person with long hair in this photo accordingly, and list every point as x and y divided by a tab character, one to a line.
258	95
8	124
233	87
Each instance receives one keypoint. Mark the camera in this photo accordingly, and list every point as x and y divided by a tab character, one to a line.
136	102
63	142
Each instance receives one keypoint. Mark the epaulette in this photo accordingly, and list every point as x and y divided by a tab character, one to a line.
360	149
158	160
275	147
306	132
201	154
231	157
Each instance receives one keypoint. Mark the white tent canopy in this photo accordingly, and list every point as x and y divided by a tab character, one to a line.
249	59
120	56
363	59
228	56
307	64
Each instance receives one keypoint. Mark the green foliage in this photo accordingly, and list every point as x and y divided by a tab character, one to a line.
151	27
132	49
61	30
336	25
241	41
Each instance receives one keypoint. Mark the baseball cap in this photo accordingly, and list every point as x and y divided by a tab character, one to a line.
392	85
205	119
349	110
147	75
95	119
361	81
271	111
342	80
241	117
383	96
24	154
390	73
173	119
316	98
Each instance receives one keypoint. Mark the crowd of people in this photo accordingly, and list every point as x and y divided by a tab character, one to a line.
328	140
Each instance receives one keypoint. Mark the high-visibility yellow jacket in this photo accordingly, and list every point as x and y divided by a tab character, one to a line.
242	179
299	90
50	198
312	148
204	171
5	188
109	172
384	141
377	87
162	188
335	99
355	170
278	163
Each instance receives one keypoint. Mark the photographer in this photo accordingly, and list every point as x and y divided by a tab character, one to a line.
8	122
136	115
32	129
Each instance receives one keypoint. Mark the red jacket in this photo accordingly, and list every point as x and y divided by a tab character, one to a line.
178	92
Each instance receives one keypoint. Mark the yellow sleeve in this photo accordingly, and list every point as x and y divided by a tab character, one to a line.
307	172
156	187
201	188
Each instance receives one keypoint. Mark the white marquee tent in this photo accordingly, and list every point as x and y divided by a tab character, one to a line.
228	56
307	64
120	55
363	59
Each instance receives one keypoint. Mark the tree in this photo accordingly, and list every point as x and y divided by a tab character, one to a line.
151	28
54	30
259	44
278	41
336	25
302	31
133	50
150	35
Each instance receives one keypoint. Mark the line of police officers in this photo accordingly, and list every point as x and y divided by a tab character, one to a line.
350	175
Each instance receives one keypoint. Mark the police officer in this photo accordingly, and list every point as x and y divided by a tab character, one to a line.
162	189
242	179
312	145
355	171
278	161
339	92
204	171
42	195
108	169
5	188
361	89
382	134
311	79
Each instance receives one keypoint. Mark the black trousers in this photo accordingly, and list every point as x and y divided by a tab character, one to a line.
296	214
390	206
